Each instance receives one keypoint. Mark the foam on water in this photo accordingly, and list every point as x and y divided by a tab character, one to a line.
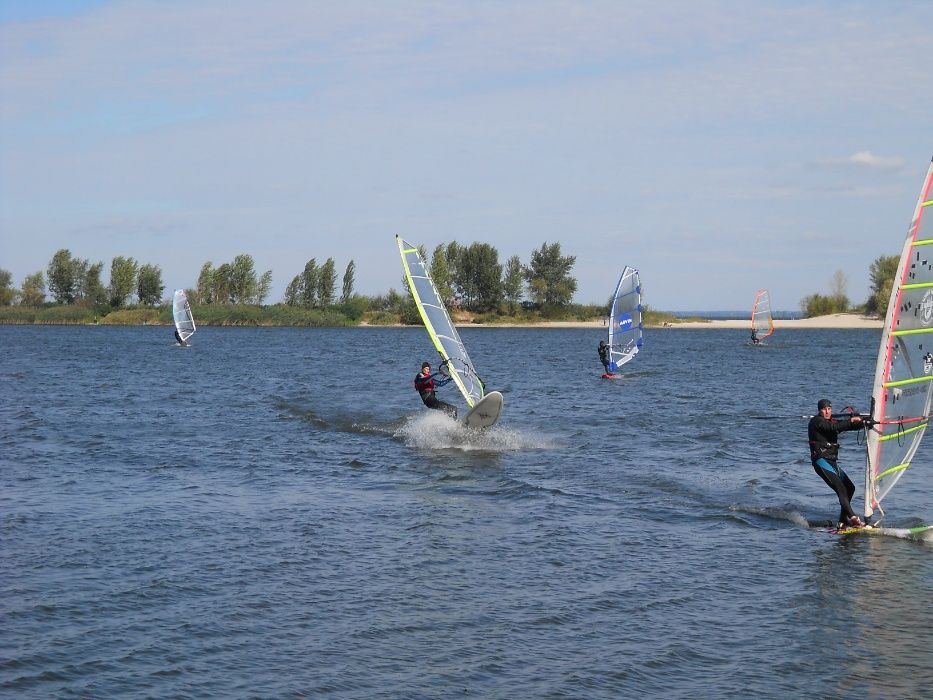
436	430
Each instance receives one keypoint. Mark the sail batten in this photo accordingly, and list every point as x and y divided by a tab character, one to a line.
181	313
437	322
903	384
626	330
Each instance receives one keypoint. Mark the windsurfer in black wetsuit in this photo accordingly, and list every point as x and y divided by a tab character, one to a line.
755	340
603	351
179	339
425	386
823	433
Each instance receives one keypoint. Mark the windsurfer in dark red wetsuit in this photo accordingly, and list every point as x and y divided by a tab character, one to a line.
823	432
425	386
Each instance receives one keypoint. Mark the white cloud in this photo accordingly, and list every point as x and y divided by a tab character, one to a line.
869	159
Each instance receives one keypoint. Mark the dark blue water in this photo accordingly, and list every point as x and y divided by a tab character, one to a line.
272	513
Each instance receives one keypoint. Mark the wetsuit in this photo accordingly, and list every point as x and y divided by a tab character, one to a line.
178	338
824	452
425	386
755	340
603	351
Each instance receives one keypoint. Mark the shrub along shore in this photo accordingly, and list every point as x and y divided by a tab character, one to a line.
337	317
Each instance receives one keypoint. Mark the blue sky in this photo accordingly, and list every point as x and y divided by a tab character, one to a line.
717	146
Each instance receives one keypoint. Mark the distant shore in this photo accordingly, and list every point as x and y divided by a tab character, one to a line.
154	318
830	321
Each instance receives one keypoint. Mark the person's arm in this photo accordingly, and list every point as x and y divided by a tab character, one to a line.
853	423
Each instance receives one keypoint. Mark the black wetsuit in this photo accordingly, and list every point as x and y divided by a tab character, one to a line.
824	452
178	338
755	340
425	386
603	351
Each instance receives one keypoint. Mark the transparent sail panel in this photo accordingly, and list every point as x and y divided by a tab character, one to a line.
181	311
762	323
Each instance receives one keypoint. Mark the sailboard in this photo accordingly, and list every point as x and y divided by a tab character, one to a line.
762	322
485	407
181	312
903	384
625	323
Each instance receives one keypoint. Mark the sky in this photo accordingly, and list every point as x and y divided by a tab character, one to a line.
717	146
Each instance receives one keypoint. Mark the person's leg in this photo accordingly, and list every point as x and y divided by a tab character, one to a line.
831	475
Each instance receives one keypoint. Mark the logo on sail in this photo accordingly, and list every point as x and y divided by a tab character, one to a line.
926	308
927	363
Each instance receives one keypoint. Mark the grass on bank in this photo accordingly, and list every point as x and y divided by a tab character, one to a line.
349	314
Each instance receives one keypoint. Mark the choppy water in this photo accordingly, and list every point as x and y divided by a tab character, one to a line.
272	513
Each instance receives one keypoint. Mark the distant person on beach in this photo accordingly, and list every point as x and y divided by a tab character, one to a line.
179	339
823	433
603	351
425	386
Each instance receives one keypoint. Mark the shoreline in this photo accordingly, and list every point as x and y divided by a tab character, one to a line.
844	321
832	321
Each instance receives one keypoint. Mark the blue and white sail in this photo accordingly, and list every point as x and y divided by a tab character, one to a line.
625	323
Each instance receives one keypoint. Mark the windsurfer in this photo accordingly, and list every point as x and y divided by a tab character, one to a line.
755	340
603	351
180	339
425	386
823	433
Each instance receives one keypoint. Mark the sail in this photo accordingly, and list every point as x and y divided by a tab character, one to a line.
438	324
625	326
903	383
181	311
762	323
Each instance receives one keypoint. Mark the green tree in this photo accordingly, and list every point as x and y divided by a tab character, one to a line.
348	282
149	286
33	290
548	275
122	280
514	282
243	281
8	292
440	274
294	292
79	272
221	284
452	256
265	284
838	287
327	283
206	283
482	273
94	291
62	283
309	286
882	272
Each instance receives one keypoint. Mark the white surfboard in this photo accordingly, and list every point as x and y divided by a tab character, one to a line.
486	412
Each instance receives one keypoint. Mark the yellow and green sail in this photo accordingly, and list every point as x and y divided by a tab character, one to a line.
438	323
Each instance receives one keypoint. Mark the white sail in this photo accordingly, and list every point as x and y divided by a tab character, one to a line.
903	384
762	323
181	312
625	324
438	324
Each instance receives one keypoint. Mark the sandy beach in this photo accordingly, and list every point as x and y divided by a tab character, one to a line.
830	321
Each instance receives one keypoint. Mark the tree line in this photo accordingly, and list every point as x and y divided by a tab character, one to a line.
881	274
468	277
